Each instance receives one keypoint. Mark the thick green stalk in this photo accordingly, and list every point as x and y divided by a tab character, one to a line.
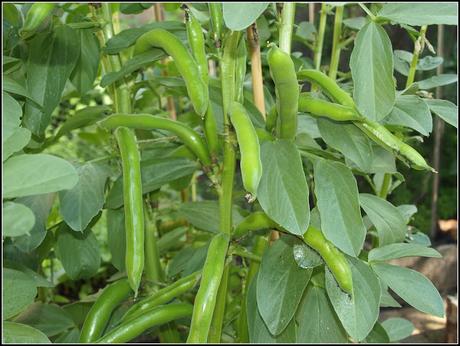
215	331
152	270
336	47
386	183
260	245
419	45
287	23
320	36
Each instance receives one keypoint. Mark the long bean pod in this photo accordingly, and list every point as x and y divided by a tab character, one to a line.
318	107
133	204
151	122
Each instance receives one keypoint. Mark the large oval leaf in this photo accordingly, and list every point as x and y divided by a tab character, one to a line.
400	250
27	175
411	286
387	219
446	110
371	67
280	285
317	320
17	333
338	204
18	219
258	331
411	111
416	13
358	312
19	291
84	201
238	17
283	193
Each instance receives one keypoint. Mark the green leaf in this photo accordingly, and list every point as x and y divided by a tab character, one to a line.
386	299
387	219
349	140
399	250
134	8
14	143
355	23
420	13
13	87
419	238
19	291
187	261
371	67
39	280
18	219
383	161
280	285
11	115
398	328
27	175
306	31
358	312
411	111
403	60
317	320
50	319
85	71
135	63
155	173
52	58
237	17
411	286
444	109
378	335
78	252
338	204
16	333
205	215
84	201
41	206
437	81
258	331
283	193
407	211
128	37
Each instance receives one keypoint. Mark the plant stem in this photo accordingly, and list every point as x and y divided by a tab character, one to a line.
385	186
286	25
335	56
260	245
215	332
418	48
256	69
368	12
153	270
320	37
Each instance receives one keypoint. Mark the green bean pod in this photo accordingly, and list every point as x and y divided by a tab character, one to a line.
151	318
382	136
197	45
335	260
248	142
151	122
217	21
98	316
205	300
328	85
318	107
185	63
162	296
36	15
240	71
253	222
133	204
196	42
283	73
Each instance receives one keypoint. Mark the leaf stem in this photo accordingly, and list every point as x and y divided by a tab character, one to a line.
336	46
286	25
418	48
368	12
320	37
